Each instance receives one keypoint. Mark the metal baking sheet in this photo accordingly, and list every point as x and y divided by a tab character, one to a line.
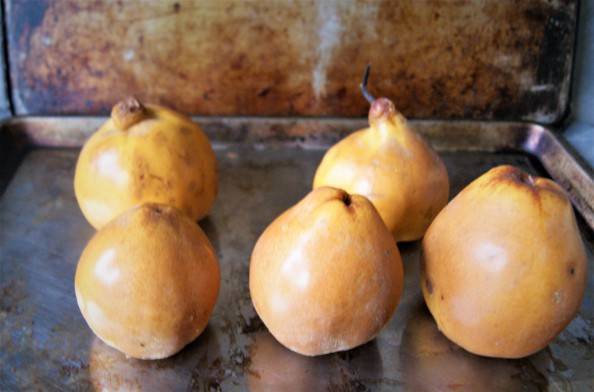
45	343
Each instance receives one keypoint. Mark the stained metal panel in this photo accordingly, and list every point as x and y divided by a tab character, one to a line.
483	59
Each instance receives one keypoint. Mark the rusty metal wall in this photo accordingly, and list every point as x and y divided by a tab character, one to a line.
482	59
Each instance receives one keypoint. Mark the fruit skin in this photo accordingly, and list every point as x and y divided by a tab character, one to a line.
393	167
148	281
326	275
151	154
504	267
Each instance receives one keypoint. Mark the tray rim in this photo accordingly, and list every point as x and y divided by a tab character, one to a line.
541	142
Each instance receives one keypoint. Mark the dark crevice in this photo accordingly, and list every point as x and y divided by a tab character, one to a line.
346	199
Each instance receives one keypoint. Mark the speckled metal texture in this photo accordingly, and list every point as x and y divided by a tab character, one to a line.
45	343
486	59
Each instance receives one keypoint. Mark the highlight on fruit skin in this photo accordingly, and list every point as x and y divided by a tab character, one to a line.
147	282
326	275
145	153
504	266
392	166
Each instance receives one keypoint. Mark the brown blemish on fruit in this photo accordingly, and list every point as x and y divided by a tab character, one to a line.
160	214
517	176
154	208
128	112
142	175
429	285
526	179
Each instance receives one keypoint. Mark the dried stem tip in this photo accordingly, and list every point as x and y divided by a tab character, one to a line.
370	98
127	113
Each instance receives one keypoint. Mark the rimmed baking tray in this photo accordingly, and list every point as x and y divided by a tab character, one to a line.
265	166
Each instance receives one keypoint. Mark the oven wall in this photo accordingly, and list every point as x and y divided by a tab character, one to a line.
581	130
483	59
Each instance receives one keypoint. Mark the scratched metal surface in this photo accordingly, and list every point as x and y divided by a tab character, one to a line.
45	343
486	59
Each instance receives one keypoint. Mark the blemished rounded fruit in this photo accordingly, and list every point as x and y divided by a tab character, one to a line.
393	167
504	267
326	275
148	281
145	154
